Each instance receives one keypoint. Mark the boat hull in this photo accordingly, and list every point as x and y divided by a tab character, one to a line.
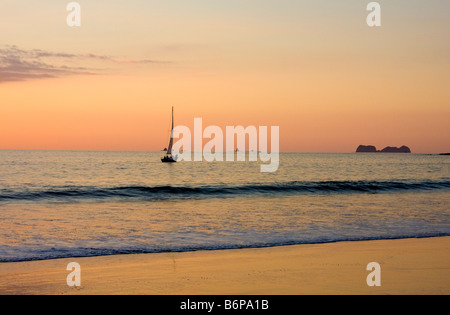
168	159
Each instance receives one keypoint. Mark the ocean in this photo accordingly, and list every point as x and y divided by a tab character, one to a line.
60	204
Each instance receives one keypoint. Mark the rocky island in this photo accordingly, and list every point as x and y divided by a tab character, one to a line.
373	149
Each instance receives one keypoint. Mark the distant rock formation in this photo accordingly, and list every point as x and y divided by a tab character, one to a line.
444	154
366	149
373	149
403	149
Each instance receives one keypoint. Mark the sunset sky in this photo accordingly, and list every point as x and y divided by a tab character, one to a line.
313	67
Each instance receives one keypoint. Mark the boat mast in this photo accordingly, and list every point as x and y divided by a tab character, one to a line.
169	151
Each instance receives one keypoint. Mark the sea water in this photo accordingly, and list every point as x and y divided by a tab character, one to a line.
58	204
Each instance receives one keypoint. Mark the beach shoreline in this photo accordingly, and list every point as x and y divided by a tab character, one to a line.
408	266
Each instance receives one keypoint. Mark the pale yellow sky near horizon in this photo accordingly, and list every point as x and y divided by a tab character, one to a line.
314	68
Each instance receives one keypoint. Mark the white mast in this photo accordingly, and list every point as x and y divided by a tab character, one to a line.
169	150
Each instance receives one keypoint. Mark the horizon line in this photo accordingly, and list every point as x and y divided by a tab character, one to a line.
305	152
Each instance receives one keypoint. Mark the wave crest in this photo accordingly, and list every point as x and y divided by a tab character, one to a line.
221	191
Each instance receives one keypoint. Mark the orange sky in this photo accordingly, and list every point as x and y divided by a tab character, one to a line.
313	68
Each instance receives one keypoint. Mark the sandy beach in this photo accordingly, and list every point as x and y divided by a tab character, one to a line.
408	266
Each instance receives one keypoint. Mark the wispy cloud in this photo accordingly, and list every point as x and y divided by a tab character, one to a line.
19	64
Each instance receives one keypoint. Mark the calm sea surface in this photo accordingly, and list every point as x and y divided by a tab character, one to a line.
56	204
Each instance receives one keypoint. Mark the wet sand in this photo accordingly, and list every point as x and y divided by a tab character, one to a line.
408	266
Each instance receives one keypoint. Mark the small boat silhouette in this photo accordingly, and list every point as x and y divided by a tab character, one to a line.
169	158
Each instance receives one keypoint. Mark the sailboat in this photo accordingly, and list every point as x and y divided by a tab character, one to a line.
168	158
